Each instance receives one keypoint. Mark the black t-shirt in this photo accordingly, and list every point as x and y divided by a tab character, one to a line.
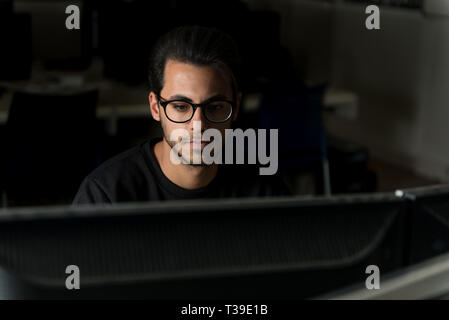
135	175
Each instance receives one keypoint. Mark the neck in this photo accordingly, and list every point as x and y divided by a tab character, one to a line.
183	175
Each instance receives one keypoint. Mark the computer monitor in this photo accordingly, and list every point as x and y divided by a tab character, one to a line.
15	36
275	248
5	7
429	233
425	280
50	41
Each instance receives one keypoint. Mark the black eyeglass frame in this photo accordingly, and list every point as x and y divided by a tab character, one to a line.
164	104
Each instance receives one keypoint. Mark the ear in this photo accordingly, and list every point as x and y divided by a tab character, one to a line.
154	106
237	106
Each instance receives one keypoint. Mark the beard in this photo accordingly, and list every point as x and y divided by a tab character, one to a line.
184	160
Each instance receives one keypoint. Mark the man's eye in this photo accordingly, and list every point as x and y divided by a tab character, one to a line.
215	107
180	107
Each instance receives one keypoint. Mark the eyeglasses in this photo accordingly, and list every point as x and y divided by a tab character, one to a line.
181	111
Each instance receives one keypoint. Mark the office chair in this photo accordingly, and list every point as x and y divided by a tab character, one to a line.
16	53
52	145
302	139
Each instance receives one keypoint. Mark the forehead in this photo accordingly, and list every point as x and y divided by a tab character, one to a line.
196	82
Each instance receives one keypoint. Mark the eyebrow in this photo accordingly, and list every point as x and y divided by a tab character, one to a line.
187	99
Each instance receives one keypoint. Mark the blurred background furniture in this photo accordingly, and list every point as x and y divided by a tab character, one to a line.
52	143
296	113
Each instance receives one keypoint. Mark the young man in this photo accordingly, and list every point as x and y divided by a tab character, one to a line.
193	84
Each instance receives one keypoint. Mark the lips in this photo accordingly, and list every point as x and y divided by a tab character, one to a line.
201	144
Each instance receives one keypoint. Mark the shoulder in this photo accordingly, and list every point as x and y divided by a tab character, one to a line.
120	164
111	179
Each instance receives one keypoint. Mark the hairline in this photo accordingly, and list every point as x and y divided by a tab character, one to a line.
217	65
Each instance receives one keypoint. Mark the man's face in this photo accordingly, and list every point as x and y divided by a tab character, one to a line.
184	81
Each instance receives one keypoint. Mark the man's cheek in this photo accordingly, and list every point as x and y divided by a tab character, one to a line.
180	145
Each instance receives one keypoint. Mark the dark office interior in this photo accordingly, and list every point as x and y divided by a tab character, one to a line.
99	73
361	114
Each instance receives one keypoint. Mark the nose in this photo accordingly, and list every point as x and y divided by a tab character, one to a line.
199	116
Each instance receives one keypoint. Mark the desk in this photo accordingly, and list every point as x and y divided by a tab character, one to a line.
116	101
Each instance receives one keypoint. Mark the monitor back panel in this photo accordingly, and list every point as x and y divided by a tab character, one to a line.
212	249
